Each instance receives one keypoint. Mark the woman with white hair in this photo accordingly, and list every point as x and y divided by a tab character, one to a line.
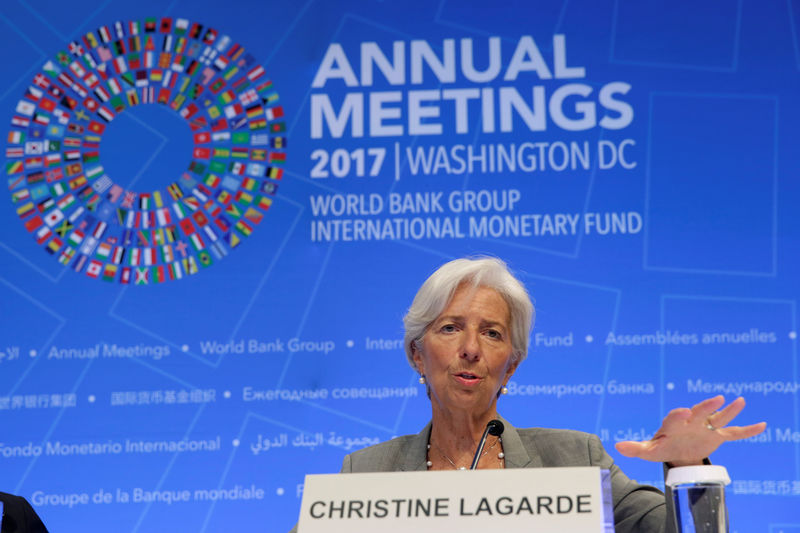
466	333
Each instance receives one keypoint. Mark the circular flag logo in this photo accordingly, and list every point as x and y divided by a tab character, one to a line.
73	208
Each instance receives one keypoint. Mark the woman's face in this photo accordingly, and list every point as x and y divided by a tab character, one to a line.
465	353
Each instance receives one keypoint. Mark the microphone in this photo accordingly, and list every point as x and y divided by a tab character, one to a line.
494	427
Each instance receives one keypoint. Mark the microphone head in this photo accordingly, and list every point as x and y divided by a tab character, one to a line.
496	428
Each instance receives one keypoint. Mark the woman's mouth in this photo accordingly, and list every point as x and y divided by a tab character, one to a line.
467	378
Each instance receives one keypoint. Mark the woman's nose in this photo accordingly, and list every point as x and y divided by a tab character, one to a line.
471	349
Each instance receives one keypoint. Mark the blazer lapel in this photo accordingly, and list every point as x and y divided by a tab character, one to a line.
516	452
416	453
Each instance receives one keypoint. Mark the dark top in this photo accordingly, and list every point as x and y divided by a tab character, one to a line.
19	516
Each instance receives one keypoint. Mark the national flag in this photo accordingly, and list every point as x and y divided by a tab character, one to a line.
197	241
175	191
103	250
14	152
54	174
204	258
118	256
237	168
221	153
134	256
33	162
202	137
66	255
253	215
222	223
90	40
105	114
20	121
61	115
114	86
248	97
96	127
117	104
189	265
26	108
217	86
243	228
43	233
24	194
277	158
200	218
181	25
94	172
148	256
258	123
109	272
134	61
125	276
33	94
55	131
41	118
255	73
76	237
77	69
16	137
263	202
77	182
91	104
25	209
201	153
34	177
163	216
233	110
54	245
47	104
241	137
77	265
69	103
14	167
212	236
102	93
94	269
269	187
62	229
99	229
53	217
243	198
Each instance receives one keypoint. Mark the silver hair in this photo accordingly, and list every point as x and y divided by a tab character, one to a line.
438	290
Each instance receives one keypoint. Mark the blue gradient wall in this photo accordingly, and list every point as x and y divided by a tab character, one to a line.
203	274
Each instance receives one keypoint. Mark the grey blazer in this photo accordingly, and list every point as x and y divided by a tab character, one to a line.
637	508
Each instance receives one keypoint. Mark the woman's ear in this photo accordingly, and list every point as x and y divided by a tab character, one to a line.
416	356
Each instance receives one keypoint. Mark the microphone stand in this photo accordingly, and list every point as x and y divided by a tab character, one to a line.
494	427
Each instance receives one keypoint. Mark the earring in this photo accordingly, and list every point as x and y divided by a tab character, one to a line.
422	379
504	390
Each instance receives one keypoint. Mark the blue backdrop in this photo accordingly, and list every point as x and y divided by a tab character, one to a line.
217	214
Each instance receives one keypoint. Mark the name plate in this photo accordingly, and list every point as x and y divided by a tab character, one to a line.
545	500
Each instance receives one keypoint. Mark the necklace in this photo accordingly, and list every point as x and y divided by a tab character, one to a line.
500	456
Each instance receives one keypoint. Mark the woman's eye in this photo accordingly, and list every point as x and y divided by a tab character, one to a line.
448	328
493	333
